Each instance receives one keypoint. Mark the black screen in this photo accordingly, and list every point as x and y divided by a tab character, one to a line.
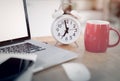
12	68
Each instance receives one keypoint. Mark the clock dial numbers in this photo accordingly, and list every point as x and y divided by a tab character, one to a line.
58	34
67	21
57	29
66	29
70	37
76	30
66	38
60	25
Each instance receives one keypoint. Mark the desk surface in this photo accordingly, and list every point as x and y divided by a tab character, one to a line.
102	66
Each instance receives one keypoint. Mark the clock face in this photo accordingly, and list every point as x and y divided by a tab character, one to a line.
66	29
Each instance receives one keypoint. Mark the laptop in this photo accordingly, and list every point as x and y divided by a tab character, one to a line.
15	37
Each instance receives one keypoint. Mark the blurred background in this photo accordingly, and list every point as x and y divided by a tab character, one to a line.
40	13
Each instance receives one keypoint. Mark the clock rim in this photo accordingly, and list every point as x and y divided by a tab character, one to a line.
61	18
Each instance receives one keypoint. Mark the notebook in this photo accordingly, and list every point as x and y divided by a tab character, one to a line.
15	37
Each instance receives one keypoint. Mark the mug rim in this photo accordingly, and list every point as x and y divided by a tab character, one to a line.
98	22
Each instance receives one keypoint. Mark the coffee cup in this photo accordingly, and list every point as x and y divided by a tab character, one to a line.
96	36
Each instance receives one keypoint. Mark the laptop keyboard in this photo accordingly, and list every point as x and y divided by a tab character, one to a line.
22	48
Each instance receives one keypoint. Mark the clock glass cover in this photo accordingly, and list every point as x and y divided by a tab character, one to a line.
66	29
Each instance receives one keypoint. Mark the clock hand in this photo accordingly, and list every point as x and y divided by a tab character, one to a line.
66	31
66	25
74	29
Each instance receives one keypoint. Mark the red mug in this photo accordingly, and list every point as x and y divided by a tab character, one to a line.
96	37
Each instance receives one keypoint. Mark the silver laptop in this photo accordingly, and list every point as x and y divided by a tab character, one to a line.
15	36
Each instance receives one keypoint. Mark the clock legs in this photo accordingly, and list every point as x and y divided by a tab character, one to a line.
76	44
57	43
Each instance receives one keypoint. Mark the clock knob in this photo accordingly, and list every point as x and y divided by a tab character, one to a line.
58	13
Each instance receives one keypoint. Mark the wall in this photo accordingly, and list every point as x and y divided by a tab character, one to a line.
40	16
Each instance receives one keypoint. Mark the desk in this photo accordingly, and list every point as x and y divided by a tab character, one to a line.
102	66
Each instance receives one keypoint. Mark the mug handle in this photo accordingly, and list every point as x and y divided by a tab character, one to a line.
118	38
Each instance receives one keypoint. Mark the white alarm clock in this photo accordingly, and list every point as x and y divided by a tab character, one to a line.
66	29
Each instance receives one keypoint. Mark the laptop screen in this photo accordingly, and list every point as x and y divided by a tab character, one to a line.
13	21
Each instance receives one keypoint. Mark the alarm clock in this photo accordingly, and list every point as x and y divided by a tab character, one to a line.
66	29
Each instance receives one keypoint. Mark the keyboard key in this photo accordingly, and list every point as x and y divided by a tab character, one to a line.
22	48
